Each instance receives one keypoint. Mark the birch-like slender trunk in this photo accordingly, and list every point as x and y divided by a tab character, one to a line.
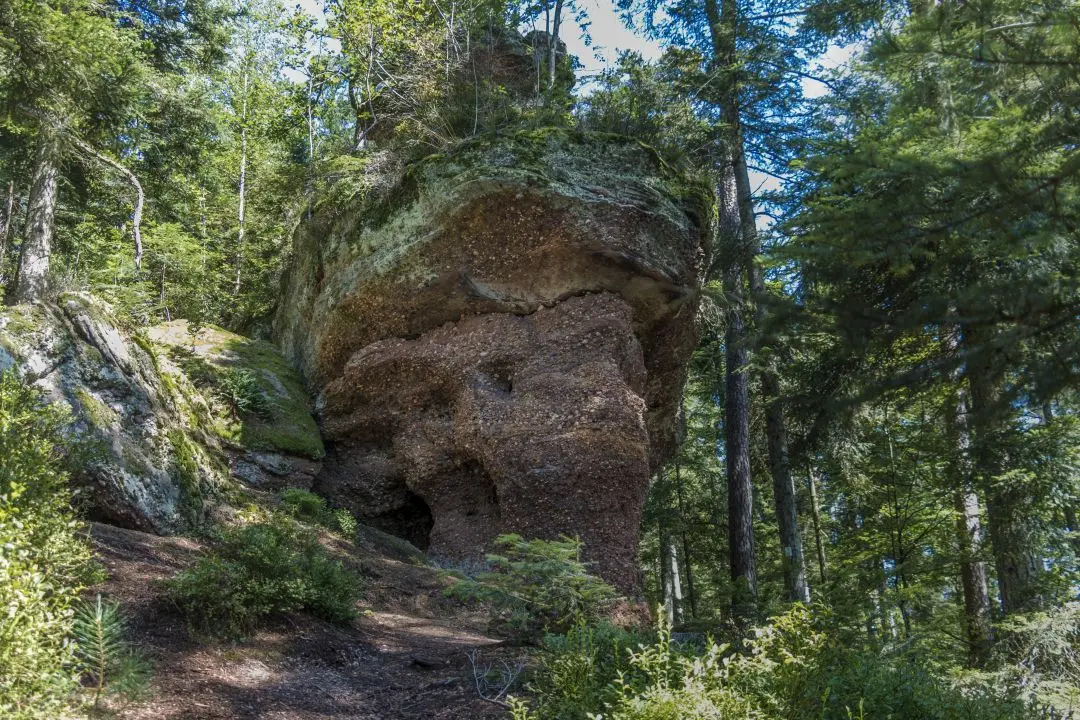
5	224
243	185
815	514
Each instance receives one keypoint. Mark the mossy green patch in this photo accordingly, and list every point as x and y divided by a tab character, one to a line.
210	357
94	410
187	476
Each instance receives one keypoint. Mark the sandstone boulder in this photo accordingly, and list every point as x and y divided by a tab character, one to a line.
498	341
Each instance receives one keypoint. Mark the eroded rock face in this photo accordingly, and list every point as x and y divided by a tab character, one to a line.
500	342
160	449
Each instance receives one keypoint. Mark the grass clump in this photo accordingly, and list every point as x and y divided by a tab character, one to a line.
45	559
309	507
537	585
259	570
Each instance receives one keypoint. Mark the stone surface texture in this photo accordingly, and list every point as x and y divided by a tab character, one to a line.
155	441
498	339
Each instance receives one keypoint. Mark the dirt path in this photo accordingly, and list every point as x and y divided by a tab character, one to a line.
405	658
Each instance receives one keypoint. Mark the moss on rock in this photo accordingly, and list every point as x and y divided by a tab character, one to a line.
204	357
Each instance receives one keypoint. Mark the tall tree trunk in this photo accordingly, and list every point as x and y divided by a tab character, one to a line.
815	513
5	225
969	535
243	188
1015	555
737	444
723	27
687	557
787	517
32	277
553	42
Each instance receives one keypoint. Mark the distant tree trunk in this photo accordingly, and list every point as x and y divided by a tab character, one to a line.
673	596
737	443
553	42
787	517
33	273
140	196
687	562
243	187
5	224
815	513
1015	556
973	577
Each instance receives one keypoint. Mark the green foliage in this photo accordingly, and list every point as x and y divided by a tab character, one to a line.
242	392
45	560
261	569
308	506
538	585
791	669
108	661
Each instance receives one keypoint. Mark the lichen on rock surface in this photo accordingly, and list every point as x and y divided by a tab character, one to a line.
158	448
499	339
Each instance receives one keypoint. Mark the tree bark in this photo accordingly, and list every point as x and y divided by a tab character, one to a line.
553	42
5	224
673	596
737	444
243	187
969	535
1015	558
687	561
815	513
787	517
31	282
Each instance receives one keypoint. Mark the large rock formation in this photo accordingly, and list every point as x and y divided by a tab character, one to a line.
499	339
150	418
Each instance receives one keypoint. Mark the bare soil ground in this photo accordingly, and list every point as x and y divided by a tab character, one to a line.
406	657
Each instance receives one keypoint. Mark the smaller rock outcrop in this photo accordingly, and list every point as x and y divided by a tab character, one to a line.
150	414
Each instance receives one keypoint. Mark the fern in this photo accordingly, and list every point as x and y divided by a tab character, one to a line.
105	658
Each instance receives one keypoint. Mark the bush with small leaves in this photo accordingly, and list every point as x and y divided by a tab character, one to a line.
792	668
45	560
538	585
262	569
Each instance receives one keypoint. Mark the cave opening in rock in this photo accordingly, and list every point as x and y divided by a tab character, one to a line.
411	521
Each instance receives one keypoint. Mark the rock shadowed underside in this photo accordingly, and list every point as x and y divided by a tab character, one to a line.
499	340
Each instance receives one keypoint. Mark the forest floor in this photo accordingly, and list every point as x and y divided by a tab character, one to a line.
405	657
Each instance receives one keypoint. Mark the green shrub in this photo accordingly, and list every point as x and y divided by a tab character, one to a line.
791	669
261	569
309	507
45	561
107	661
242	392
538	585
